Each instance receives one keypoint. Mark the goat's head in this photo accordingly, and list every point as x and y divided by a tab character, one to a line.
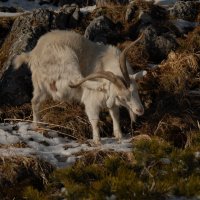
122	90
118	93
129	97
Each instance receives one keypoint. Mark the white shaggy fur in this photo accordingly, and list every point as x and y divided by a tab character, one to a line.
61	58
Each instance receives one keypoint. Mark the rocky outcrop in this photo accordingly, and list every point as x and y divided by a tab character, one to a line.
187	10
102	3
158	44
81	3
16	86
101	29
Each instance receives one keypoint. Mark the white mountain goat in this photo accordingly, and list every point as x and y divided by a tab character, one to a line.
66	66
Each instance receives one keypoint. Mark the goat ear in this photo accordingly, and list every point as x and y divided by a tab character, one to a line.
138	75
110	102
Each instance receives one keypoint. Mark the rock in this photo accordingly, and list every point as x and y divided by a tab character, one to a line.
184	26
10	9
62	17
158	43
16	86
145	18
130	12
100	30
80	3
103	3
141	137
42	2
165	161
74	19
187	10
158	13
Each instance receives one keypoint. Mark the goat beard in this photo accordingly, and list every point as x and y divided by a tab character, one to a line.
132	116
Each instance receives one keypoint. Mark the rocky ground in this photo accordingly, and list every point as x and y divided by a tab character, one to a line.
163	162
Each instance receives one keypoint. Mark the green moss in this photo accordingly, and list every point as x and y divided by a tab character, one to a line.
33	194
157	170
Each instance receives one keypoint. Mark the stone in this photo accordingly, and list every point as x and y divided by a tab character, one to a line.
16	86
158	44
74	18
10	9
130	12
80	3
42	2
145	18
103	3
100	29
187	10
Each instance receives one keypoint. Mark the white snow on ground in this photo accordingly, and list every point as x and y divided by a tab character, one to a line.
164	3
7	14
87	9
30	5
57	150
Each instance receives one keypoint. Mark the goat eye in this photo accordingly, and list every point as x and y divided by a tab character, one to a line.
123	99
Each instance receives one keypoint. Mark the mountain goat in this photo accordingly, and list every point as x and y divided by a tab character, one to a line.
66	66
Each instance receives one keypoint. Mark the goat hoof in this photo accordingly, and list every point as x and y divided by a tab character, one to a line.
34	126
119	140
97	142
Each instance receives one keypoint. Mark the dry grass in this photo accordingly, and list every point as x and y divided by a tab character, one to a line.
15	112
137	55
97	156
178	71
21	171
5	27
107	3
70	116
171	112
5	41
192	42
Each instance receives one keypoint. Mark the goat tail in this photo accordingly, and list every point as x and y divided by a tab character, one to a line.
20	59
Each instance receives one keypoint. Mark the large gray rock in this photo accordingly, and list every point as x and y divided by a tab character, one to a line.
66	17
158	44
187	10
130	11
153	12
81	3
101	3
101	29
16	86
10	9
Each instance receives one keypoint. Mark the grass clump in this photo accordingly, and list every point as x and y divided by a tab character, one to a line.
18	172
157	171
31	193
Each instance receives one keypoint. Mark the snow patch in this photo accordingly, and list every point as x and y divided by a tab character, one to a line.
7	138
88	9
57	150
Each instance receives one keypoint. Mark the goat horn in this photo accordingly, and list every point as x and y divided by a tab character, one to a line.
122	60
103	74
